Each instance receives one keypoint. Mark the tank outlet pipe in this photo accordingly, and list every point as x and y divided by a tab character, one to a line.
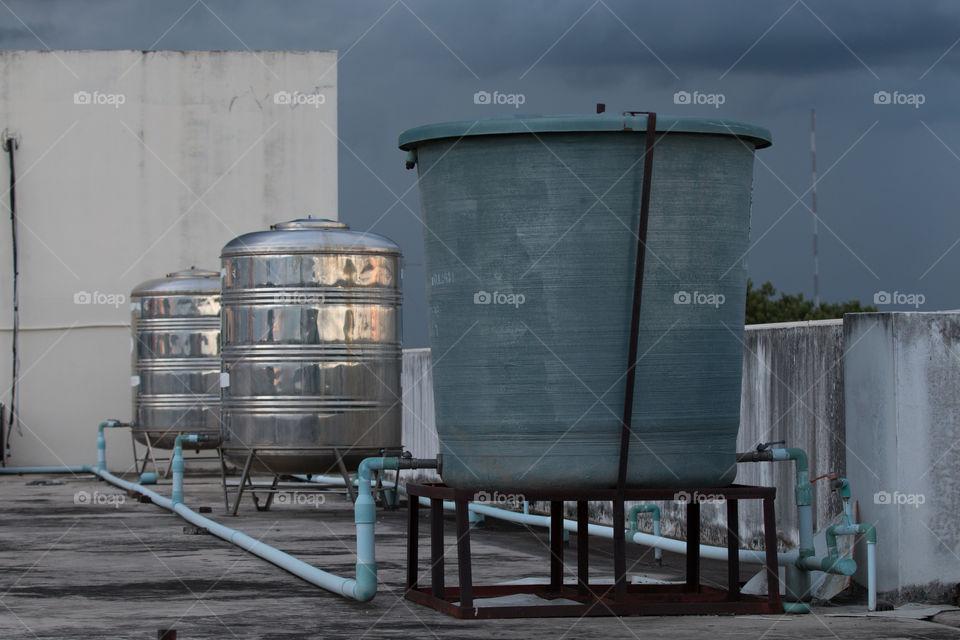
177	466
102	442
797	576
634	519
365	516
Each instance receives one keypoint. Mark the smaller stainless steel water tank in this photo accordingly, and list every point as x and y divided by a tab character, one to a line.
311	346
176	357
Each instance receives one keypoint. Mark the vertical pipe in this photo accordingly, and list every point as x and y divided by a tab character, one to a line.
10	144
871	576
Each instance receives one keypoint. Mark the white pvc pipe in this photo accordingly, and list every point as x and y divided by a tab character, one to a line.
10	471
872	576
318	577
645	539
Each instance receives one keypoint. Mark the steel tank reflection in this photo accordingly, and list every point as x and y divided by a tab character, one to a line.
176	357
311	346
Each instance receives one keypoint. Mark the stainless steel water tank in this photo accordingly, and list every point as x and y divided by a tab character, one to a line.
530	238
311	346
176	356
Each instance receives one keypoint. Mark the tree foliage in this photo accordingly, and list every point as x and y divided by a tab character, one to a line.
763	308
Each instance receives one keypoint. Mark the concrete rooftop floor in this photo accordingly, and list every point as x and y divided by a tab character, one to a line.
111	567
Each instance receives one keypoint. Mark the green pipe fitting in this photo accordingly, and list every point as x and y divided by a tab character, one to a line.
843	486
799	456
634	515
830	564
411	158
102	443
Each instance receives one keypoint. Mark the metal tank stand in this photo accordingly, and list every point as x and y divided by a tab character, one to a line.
140	464
247	485
689	598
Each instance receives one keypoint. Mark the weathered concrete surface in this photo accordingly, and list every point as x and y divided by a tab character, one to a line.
112	569
419	418
903	427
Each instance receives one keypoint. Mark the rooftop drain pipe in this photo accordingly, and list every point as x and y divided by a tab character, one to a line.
362	588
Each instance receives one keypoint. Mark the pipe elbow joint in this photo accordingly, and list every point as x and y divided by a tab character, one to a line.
869	531
799	456
365	586
366	468
830	564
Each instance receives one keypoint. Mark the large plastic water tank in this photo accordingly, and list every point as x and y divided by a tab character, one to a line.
311	346
530	232
176	357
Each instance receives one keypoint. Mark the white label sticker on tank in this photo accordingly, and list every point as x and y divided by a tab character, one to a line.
223	272
224	380
135	306
134	381
441	278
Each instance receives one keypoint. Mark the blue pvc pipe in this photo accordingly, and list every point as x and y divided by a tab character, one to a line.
362	588
14	471
634	519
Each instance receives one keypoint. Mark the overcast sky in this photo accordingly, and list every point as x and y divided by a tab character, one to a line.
888	190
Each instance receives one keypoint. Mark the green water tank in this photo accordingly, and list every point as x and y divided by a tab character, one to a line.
530	231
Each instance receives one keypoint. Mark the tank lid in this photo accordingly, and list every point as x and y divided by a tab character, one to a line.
570	123
309	236
193	272
310	223
192	281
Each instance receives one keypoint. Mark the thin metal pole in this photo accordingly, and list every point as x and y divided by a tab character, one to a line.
813	198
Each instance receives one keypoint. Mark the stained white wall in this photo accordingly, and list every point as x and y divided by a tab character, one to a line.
176	154
903	430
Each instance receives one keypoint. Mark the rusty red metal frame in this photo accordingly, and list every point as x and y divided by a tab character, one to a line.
689	598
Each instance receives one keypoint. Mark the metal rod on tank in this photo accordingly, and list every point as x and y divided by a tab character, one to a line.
619	543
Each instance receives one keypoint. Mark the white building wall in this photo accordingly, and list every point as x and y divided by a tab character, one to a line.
185	151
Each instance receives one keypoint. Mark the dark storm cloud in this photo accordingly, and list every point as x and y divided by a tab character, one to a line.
888	194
